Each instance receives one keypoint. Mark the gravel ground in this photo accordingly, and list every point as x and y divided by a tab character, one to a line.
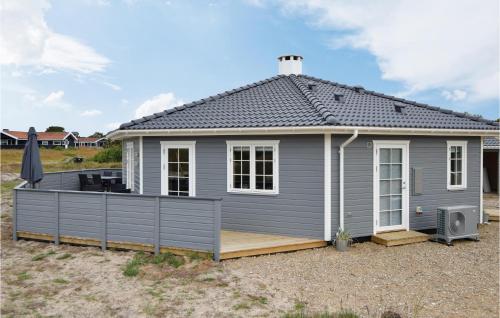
425	279
419	280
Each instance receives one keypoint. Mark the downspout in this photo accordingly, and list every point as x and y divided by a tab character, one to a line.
341	175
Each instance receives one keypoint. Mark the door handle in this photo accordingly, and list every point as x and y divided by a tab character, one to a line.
403	185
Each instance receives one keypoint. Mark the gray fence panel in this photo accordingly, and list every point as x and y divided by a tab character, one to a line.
35	212
130	219
80	214
187	224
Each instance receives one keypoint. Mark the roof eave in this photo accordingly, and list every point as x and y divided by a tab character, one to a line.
121	134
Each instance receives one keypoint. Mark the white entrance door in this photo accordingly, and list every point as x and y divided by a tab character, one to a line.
130	165
390	186
178	165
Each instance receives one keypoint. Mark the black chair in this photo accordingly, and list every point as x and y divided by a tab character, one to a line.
119	179
119	188
87	185
107	173
96	178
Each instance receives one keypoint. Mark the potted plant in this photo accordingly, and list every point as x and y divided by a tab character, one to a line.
342	240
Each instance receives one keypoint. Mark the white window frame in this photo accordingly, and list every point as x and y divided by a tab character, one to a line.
45	142
56	143
130	165
252	144
191	145
456	143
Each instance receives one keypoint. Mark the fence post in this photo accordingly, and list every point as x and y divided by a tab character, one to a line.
104	221
56	235
14	214
157	226
217	229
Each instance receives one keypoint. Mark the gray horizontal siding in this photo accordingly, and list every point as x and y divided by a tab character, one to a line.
296	210
36	212
428	153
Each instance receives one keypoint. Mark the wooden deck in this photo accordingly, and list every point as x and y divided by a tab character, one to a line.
240	244
493	214
399	238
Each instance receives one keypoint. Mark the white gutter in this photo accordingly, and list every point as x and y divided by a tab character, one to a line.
120	134
341	176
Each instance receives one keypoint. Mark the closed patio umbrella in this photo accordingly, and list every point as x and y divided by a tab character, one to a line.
31	167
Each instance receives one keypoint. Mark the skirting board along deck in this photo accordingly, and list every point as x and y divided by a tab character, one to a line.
399	238
240	244
110	244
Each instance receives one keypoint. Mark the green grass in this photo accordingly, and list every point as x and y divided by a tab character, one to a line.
60	281
42	256
132	268
7	186
301	312
241	306
64	256
23	276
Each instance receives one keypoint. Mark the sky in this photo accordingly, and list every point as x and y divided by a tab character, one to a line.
90	65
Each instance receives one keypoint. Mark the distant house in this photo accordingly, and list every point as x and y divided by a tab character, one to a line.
17	139
91	142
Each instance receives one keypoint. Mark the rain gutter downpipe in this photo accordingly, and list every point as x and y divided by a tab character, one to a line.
341	174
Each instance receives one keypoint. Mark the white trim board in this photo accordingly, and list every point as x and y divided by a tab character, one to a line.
120	134
328	186
141	166
165	145
481	176
129	154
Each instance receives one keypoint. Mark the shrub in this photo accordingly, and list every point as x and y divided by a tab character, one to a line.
111	154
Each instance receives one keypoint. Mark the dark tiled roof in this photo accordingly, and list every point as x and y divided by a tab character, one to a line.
491	143
284	101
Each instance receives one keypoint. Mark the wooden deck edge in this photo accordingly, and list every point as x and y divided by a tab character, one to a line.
493	214
272	250
111	244
401	241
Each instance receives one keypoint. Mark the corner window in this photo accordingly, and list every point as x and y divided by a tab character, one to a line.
457	165
45	142
253	166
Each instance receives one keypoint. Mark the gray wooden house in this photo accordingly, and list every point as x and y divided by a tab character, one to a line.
300	156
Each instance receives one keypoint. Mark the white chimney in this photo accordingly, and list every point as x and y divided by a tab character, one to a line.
290	64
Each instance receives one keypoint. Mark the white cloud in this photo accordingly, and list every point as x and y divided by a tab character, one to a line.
91	113
446	45
454	95
113	86
157	104
26	39
54	97
113	126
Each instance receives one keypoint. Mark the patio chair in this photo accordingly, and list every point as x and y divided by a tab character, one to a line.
96	178
107	173
119	180
86	184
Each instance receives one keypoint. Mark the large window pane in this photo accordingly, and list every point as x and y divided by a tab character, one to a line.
268	183
183	155
385	171
396	218
385	218
178	171
385	203
173	169
395	186
396	156
173	155
396	170
396	203
385	155
385	187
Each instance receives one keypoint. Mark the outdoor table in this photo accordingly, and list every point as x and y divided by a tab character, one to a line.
106	180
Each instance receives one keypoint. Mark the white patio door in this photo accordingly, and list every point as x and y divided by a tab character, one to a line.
390	186
178	168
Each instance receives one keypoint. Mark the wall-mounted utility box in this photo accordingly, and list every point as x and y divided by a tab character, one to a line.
418	180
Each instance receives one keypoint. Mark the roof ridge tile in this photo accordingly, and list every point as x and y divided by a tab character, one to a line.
314	101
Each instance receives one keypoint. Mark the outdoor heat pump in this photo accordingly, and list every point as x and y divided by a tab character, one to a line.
457	222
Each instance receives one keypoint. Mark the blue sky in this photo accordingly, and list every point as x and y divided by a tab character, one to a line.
89	65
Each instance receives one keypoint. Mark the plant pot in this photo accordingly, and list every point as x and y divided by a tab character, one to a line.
341	245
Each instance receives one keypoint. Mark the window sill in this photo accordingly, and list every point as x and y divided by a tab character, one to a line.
270	193
457	189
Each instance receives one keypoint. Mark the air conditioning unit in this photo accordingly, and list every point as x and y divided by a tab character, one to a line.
457	222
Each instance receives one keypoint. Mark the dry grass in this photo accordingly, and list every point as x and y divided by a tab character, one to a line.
53	160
